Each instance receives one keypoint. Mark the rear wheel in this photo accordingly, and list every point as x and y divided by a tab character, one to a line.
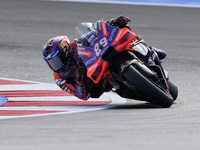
157	95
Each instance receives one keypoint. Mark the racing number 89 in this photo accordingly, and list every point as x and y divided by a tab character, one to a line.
103	42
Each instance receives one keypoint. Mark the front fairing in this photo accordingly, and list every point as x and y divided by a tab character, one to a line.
106	36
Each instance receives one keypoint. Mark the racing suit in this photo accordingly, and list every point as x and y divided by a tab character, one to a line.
74	80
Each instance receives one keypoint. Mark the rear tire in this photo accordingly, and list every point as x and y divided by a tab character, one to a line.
158	96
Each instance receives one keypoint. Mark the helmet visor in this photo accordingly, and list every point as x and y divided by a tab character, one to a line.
57	62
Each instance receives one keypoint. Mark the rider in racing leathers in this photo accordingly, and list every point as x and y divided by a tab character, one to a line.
70	72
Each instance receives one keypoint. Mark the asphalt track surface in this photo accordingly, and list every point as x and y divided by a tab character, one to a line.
26	25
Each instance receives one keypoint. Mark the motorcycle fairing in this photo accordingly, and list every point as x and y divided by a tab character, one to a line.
107	36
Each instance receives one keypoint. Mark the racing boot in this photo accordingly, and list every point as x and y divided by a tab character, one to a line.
161	53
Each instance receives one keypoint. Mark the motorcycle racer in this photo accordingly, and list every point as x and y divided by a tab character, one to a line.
70	72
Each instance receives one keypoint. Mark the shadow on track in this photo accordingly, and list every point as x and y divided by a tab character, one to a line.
142	105
138	106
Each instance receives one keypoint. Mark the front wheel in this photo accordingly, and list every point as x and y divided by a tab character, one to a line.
149	89
173	90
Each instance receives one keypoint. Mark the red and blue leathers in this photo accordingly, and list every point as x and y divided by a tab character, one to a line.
68	81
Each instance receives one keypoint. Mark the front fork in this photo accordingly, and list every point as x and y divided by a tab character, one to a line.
155	61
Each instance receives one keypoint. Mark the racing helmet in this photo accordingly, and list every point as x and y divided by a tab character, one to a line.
57	53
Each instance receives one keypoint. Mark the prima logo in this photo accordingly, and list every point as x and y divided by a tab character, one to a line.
105	32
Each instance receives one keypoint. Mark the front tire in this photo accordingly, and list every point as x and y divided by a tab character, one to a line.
158	96
173	90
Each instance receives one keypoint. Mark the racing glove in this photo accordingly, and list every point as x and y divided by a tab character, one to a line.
120	21
80	74
81	90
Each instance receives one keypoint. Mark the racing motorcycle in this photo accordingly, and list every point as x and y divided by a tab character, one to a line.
110	57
